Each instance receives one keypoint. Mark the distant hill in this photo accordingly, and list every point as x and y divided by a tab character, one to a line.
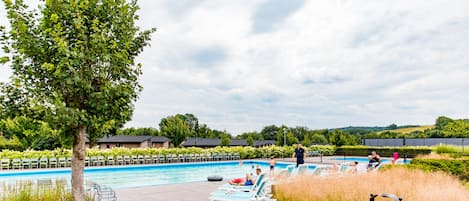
410	129
393	128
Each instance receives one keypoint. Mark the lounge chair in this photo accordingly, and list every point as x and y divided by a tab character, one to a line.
26	162
181	158
229	187
69	161
155	158
62	162
104	193
101	161
110	160
127	160
16	163
140	159
119	160
134	159
34	163
161	158
52	162
385	195
43	162
5	163
148	159
87	161
259	194
236	156
302	169
94	160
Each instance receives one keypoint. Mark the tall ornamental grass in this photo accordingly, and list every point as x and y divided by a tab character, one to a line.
410	184
30	191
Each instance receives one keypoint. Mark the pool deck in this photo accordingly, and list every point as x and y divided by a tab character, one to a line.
174	192
196	190
189	191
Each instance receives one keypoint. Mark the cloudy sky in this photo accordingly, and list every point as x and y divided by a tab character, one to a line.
241	65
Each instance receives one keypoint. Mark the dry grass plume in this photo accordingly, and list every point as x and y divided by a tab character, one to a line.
411	185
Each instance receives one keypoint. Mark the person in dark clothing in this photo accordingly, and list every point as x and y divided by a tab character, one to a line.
375	160
299	154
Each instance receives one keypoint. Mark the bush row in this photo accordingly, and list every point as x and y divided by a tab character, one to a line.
11	144
244	152
455	166
383	151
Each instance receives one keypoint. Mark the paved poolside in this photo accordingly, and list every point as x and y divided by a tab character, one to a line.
194	191
174	192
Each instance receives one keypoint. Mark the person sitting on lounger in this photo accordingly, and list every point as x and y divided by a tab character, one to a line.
242	182
375	160
352	167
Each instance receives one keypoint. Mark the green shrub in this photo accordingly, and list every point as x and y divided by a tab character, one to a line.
451	149
382	151
244	152
327	150
11	144
455	166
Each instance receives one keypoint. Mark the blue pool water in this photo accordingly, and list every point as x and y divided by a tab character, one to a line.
365	160
147	175
359	159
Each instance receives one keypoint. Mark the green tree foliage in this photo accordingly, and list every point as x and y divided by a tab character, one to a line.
139	131
306	140
442	121
76	60
191	121
250	140
318	139
456	128
225	140
174	128
32	134
340	138
270	132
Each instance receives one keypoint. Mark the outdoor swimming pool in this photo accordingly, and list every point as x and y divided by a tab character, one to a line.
366	160
147	175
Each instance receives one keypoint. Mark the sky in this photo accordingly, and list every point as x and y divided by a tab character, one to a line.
242	65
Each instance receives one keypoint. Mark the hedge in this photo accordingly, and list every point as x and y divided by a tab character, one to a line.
455	166
410	152
244	152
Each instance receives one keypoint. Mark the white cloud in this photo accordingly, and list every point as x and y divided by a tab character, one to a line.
317	63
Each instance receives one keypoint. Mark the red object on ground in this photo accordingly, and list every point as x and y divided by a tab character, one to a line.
237	181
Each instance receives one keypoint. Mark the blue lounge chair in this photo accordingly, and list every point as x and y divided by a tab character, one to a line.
229	187
259	194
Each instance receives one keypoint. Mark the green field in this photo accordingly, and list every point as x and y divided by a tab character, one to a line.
410	129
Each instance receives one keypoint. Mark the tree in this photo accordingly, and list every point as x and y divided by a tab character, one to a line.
318	139
442	121
250	140
306	141
33	134
78	59
175	129
225	140
270	132
456	128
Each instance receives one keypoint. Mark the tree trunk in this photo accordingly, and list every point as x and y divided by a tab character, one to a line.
78	165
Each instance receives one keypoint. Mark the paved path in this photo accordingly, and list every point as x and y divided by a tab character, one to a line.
174	192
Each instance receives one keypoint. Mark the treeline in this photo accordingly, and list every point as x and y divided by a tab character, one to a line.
445	127
21	132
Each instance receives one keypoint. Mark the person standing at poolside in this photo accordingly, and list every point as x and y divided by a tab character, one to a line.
272	165
299	154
